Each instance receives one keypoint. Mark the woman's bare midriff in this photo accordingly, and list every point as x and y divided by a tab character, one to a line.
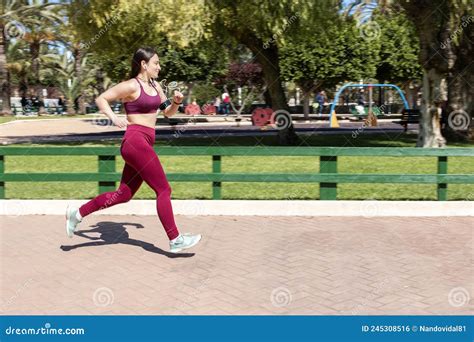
148	120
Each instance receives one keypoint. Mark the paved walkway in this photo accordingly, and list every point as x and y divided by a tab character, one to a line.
244	265
98	128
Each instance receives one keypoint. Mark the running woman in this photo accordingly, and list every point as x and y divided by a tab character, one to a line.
142	97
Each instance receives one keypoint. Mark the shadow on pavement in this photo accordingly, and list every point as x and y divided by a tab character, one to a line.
115	232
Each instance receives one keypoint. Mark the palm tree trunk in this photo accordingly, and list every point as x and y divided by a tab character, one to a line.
35	68
4	75
70	106
77	53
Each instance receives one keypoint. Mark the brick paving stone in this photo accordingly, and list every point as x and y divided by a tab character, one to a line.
243	266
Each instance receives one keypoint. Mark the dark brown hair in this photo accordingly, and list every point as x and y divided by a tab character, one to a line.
142	54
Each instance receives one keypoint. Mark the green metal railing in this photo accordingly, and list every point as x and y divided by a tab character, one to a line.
327	177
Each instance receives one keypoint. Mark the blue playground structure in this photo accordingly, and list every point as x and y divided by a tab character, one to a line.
333	120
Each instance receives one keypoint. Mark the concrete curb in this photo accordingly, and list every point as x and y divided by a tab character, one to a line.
370	208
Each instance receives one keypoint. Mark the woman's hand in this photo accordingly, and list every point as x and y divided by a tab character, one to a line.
120	122
178	97
171	110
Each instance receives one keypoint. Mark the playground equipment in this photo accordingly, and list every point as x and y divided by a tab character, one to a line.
192	109
262	117
209	109
371	118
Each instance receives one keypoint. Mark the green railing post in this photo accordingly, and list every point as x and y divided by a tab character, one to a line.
216	186
328	164
106	164
442	187
2	184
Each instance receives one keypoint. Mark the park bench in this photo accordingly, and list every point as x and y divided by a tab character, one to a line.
409	116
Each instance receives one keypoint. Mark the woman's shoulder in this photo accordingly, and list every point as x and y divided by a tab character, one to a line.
131	84
124	90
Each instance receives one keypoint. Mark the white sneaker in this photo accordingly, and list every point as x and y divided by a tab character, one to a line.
71	220
184	241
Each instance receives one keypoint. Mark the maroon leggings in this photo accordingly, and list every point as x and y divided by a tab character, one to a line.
141	164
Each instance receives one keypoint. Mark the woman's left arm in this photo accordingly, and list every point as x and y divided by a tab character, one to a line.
170	106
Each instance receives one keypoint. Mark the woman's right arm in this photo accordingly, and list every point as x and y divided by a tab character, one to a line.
120	91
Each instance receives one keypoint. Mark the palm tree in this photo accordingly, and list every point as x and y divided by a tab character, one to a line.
64	68
36	38
68	38
20	64
16	17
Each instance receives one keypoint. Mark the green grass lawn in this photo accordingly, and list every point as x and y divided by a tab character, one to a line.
267	190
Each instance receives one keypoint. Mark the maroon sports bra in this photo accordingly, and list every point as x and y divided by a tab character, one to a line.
144	104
